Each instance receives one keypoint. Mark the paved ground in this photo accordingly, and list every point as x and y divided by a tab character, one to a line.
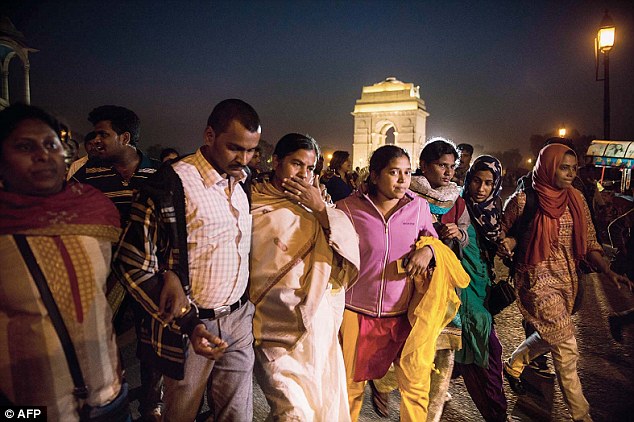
606	369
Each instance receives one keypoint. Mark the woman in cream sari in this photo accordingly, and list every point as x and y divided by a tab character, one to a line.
304	255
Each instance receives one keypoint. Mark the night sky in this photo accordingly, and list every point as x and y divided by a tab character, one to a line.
490	73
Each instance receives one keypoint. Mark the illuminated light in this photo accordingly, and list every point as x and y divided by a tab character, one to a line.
604	42
392	84
606	34
562	132
382	107
389	84
329	156
383	88
529	161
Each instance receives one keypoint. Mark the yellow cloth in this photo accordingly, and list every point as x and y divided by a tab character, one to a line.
430	311
428	315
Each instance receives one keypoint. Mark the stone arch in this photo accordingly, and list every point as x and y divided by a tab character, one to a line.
382	129
390	104
12	44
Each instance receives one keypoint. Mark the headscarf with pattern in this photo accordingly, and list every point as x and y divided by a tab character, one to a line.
553	202
485	216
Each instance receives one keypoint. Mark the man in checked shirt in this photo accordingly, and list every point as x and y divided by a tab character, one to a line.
185	258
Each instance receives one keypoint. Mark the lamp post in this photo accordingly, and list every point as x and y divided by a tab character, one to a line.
604	43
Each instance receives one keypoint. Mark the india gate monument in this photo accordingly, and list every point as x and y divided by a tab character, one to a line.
388	113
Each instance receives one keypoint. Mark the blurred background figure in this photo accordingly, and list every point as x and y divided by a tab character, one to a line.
464	161
72	151
169	154
254	163
79	163
319	167
336	179
70	145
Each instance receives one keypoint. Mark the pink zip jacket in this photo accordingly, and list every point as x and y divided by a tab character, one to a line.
381	290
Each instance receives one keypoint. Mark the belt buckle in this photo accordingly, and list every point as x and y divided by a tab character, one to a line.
221	311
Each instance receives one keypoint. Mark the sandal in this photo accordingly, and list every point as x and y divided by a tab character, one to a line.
380	401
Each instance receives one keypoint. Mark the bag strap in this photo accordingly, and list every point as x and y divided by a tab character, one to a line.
80	391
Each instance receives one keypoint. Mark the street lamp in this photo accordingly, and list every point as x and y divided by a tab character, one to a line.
604	43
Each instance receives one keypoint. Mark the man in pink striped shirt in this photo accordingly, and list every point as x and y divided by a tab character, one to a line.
185	258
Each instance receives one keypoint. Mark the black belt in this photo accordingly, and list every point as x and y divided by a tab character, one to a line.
223	310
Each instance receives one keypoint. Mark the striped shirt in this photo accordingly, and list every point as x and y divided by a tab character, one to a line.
218	232
115	187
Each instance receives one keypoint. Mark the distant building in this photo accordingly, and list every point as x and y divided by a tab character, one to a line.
12	44
389	112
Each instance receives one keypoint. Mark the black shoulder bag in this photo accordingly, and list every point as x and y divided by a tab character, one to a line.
501	295
119	408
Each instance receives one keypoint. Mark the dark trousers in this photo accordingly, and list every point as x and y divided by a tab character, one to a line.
151	391
485	384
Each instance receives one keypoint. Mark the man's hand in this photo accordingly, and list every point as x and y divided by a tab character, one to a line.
172	303
206	344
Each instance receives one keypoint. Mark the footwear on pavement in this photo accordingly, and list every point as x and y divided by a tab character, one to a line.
515	383
380	401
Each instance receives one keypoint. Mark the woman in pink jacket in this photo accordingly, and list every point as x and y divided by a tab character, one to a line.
389	220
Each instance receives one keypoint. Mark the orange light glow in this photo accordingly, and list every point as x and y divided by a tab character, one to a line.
606	38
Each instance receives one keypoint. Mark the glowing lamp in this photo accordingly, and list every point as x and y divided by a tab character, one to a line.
605	36
604	43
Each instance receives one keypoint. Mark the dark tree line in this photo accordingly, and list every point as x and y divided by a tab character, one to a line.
580	142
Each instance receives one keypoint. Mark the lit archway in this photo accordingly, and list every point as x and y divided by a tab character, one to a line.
388	113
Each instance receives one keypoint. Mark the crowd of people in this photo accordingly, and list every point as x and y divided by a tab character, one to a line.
317	286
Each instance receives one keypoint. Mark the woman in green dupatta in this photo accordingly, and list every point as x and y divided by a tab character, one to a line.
480	359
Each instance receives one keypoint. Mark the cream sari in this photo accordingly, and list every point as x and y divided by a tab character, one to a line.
299	275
